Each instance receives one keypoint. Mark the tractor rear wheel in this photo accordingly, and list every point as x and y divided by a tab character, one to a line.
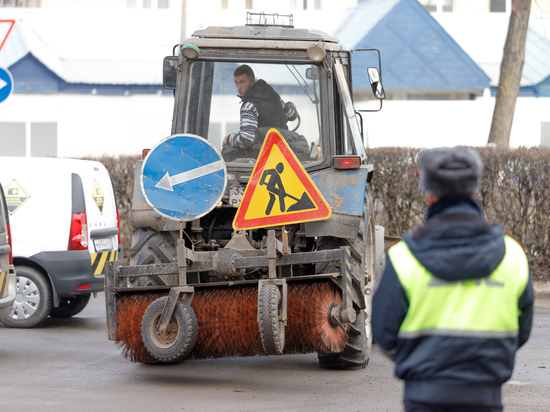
357	351
150	247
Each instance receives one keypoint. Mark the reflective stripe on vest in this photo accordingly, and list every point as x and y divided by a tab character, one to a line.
485	307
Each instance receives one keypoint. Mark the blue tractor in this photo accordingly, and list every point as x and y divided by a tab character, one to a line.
261	248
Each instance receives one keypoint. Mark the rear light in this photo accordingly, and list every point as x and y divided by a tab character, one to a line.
78	236
346	162
84	287
118	226
10	243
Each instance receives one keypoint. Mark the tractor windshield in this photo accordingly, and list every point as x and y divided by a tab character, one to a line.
235	104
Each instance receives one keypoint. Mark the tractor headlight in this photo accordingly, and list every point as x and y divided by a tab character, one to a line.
316	52
190	51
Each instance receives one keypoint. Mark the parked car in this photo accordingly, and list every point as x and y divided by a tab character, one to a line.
65	227
7	271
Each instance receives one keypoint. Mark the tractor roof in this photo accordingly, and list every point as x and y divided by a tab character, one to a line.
264	32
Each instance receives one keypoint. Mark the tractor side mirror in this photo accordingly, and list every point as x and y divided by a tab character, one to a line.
376	83
312	73
170	72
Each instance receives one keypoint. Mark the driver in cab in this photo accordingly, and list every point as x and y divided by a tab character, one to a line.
261	107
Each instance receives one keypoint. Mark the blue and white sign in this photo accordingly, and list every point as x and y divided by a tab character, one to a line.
6	84
183	177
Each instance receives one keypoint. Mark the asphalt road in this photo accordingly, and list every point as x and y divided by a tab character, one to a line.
70	365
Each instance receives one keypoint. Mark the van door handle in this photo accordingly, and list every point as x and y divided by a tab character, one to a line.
5	250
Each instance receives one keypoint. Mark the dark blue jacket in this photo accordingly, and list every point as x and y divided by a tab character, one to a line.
454	244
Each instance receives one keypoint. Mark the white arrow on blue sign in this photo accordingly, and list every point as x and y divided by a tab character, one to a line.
183	177
6	84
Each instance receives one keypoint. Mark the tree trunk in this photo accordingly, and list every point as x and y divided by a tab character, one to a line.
510	73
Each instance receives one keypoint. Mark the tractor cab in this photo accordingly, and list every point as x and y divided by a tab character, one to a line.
309	70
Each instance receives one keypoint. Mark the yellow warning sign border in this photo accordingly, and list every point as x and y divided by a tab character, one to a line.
7	196
94	197
322	211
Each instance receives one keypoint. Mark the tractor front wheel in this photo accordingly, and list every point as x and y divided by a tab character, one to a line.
177	341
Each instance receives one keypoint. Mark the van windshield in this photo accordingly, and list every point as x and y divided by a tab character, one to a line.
235	104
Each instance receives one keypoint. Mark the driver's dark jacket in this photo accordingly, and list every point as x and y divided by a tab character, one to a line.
454	245
261	107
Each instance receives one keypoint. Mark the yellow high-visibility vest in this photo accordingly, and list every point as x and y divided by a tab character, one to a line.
486	307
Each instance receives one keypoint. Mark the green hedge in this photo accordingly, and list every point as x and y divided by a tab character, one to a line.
515	191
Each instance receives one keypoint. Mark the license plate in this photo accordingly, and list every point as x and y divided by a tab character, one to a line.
236	193
103	244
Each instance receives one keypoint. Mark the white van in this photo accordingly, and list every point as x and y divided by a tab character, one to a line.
64	225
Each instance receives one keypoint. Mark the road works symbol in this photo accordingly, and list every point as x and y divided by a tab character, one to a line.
279	190
183	177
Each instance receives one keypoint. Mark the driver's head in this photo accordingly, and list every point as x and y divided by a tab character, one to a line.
244	79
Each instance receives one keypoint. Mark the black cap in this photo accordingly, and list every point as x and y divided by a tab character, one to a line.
450	172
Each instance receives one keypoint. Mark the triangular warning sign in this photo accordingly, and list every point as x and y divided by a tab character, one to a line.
279	191
98	197
5	29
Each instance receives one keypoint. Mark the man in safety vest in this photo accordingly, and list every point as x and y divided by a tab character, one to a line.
455	301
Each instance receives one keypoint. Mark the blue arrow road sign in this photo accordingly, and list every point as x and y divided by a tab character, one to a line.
6	84
183	177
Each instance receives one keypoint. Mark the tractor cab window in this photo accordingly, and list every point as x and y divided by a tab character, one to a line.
234	105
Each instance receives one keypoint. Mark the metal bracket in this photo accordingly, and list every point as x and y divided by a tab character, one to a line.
183	255
277	282
170	305
275	248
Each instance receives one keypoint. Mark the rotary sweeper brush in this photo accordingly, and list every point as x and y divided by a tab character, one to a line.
262	249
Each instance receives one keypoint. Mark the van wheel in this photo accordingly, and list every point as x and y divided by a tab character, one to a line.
70	306
33	299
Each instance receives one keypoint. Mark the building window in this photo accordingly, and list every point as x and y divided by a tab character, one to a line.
248	4
437	5
498	6
305	4
13	139
148	4
224	4
43	139
317	4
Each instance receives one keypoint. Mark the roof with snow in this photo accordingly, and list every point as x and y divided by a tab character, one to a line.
118	51
485	38
417	53
115	51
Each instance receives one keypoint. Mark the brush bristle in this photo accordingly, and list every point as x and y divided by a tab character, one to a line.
228	326
130	310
